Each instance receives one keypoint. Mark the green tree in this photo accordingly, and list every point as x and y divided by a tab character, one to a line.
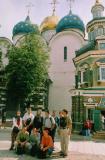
27	68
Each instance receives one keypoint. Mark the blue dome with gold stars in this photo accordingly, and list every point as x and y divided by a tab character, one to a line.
25	27
70	21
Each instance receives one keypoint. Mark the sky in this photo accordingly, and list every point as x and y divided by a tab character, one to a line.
14	11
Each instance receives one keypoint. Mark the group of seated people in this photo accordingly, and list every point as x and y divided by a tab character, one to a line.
33	143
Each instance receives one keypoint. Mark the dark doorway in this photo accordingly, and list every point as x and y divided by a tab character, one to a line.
103	113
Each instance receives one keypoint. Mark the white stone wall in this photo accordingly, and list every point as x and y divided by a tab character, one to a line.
62	73
16	38
47	35
4	46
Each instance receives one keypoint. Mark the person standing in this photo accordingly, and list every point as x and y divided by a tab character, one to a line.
38	121
49	123
3	115
16	127
65	132
103	122
28	119
56	118
88	126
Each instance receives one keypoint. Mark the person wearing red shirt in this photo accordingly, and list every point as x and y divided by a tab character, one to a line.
46	147
88	126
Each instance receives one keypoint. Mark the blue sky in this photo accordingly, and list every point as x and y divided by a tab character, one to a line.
13	11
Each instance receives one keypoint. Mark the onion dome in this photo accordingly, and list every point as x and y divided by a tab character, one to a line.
70	21
97	10
25	27
49	23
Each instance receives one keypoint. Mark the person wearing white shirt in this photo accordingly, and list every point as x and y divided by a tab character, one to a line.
16	127
28	119
49	124
103	122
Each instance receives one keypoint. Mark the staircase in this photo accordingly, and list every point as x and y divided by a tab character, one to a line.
99	135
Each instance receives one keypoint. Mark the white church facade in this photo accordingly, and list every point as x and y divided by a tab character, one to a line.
64	37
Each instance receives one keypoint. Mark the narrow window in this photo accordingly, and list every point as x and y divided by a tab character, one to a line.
65	54
102	45
85	76
103	73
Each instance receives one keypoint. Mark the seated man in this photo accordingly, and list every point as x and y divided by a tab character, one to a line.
21	142
34	142
46	147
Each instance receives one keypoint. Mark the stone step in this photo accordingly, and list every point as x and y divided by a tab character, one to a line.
99	135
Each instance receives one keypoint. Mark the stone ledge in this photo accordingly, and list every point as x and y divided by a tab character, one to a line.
7	124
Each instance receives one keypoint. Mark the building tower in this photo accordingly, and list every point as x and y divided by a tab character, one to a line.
48	26
69	37
96	27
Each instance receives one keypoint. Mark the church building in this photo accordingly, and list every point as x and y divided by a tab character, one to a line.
77	65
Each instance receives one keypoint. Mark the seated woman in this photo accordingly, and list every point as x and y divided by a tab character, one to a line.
17	125
21	143
46	147
34	142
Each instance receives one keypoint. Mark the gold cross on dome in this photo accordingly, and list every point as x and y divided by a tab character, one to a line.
54	3
29	6
70	4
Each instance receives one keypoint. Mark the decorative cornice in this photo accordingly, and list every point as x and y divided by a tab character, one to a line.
95	53
95	21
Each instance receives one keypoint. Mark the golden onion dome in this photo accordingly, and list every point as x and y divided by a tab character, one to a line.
49	22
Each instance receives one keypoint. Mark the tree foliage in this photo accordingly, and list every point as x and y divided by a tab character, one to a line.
27	68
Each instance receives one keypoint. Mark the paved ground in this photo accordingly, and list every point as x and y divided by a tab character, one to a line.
78	150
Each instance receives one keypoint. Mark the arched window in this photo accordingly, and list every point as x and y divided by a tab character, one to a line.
65	54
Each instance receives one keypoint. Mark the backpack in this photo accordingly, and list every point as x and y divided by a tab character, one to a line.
55	125
50	118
